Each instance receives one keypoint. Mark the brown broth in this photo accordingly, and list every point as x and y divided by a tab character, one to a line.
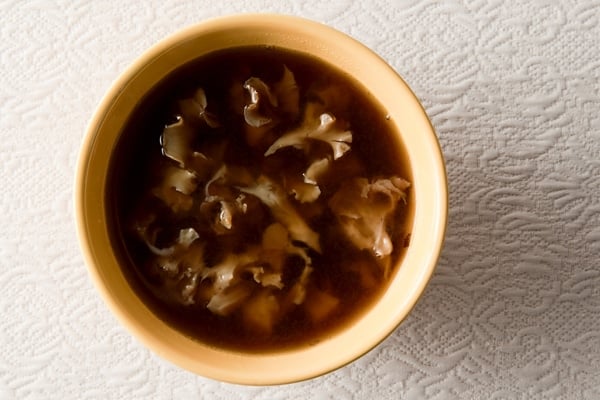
139	151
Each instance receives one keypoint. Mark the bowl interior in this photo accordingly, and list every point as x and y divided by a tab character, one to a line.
429	197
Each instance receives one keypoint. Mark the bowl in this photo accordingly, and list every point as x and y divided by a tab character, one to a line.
429	197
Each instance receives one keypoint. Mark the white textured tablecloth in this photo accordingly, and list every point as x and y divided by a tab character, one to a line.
513	310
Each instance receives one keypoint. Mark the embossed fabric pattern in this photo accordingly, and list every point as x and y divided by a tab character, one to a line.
513	91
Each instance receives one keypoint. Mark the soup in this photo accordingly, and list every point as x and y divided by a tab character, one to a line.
258	199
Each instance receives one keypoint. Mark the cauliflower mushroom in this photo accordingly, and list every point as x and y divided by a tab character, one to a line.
222	201
273	196
178	266
288	94
195	107
175	188
186	237
316	170
364	209
259	111
314	127
269	106
176	140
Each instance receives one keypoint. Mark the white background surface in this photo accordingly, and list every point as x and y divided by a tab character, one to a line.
513	310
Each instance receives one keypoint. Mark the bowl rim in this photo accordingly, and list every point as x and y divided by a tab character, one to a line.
152	340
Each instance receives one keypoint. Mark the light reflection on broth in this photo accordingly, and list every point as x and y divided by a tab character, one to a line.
258	199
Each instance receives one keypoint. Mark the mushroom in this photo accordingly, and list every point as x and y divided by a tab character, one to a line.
363	210
218	194
176	141
175	188
272	195
195	107
269	106
323	127
288	94
259	111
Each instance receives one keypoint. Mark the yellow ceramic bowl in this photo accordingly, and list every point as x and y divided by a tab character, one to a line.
429	196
